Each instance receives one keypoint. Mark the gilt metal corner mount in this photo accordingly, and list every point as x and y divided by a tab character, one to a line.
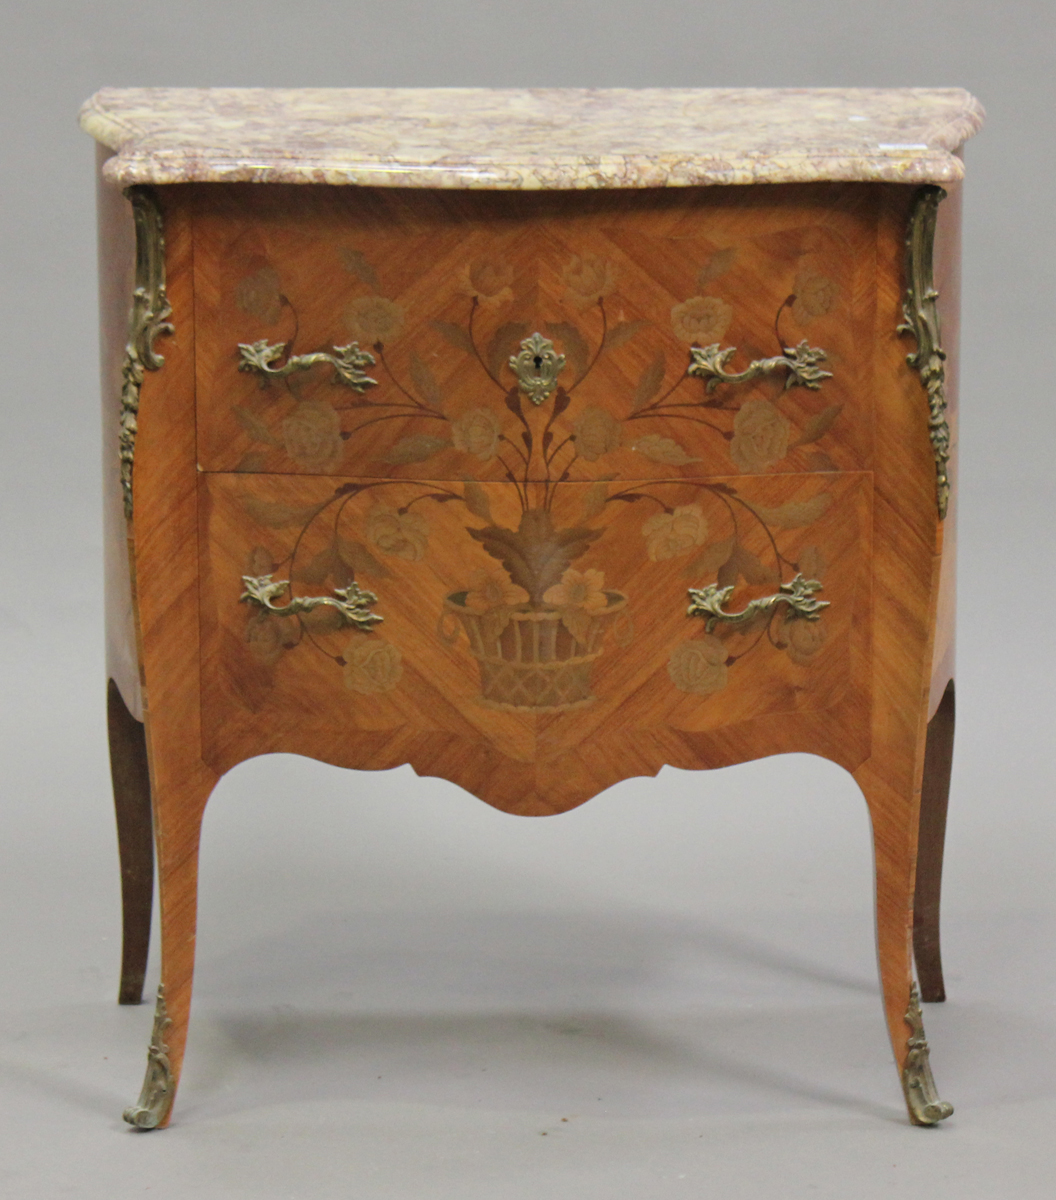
920	317
148	321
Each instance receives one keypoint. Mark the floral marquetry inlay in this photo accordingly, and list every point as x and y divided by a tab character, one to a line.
528	445
701	347
450	403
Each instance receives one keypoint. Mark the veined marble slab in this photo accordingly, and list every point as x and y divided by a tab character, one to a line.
531	139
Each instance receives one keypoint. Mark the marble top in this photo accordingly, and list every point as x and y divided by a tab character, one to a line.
531	139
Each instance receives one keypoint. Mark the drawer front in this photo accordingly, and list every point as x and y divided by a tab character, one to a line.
379	328
523	637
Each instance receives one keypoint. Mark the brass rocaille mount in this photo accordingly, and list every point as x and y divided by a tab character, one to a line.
537	366
265	359
155	1099
352	602
798	594
920	317
800	361
922	1097
148	320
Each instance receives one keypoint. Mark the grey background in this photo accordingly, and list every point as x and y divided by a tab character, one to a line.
401	990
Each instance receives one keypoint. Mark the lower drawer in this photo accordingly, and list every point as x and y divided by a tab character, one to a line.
533	647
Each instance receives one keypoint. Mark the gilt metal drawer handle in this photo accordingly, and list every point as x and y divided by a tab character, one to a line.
801	363
352	602
348	362
707	602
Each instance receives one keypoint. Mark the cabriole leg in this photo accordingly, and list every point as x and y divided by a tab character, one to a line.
135	840
934	799
891	811
177	822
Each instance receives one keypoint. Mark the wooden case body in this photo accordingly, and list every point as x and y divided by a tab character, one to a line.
532	563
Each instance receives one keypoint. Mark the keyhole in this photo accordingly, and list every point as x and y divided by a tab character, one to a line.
538	363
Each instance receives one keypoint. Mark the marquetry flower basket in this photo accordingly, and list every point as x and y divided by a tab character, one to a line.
529	660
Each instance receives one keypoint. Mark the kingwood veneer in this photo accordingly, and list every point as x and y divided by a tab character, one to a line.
628	443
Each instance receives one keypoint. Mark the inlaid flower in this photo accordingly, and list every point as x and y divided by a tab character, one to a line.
399	534
701	320
373	319
588	279
815	295
312	436
760	436
266	635
578	589
699	666
597	432
260	295
260	561
491	589
489	280
667	535
371	665
477	432
805	639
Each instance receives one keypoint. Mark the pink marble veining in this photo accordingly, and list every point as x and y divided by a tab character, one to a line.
563	138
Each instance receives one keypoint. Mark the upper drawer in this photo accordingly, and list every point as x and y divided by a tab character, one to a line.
436	292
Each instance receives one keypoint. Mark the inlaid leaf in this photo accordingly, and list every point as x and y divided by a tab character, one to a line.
727	573
342	573
477	500
796	514
260	561
743	563
323	620
254	426
360	560
572	343
278	516
820	461
719	263
663	450
577	621
621	333
416	448
455	334
355	262
818	426
317	570
425	383
650	382
504	342
252	463
513	403
709	559
535	555
260	295
594	499
753	570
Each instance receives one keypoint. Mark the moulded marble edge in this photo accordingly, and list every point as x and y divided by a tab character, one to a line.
441	138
